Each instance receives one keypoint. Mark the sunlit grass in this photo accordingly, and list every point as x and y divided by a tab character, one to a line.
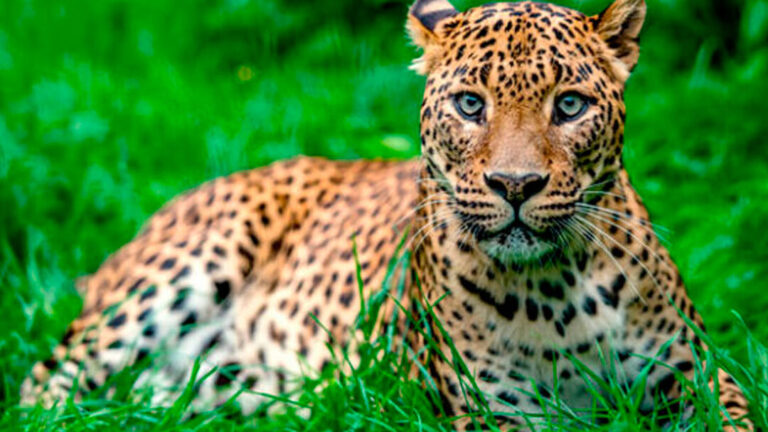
380	392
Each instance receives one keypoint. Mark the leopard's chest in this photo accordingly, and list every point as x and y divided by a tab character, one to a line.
533	330
541	341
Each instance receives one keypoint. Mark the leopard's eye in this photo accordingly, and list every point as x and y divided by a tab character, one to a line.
569	107
469	105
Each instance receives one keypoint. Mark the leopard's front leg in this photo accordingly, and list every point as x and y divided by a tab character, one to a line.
656	320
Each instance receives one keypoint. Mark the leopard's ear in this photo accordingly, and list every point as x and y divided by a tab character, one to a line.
425	20
619	26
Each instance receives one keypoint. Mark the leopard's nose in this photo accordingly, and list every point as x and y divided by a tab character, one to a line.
516	189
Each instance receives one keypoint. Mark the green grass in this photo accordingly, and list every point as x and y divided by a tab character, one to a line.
108	109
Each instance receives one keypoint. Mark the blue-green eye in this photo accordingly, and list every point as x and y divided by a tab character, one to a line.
469	105
570	106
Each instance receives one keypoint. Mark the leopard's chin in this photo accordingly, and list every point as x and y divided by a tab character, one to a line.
518	244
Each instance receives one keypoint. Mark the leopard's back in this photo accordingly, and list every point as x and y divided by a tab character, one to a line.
240	272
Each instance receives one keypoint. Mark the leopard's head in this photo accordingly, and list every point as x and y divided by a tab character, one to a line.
523	114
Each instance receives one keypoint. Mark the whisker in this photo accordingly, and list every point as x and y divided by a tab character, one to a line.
434	220
430	179
602	183
426	201
623	216
617	243
602	246
622	222
562	232
588	192
638	239
421	206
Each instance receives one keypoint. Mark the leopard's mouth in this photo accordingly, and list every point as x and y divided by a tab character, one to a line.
516	242
519	243
517	228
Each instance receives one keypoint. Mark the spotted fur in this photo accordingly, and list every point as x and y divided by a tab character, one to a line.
528	241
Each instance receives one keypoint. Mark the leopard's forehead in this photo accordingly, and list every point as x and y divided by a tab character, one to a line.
527	45
551	22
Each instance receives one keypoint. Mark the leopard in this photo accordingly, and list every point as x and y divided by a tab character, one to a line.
531	251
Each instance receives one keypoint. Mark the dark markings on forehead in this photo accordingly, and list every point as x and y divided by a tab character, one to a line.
525	45
549	22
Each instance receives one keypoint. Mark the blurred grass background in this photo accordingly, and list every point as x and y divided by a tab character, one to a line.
110	108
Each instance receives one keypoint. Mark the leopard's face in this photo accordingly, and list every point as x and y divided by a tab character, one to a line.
523	116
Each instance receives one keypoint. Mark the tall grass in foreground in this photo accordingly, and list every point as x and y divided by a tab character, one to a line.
387	391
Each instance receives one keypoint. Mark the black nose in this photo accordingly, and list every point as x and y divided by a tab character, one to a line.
516	189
